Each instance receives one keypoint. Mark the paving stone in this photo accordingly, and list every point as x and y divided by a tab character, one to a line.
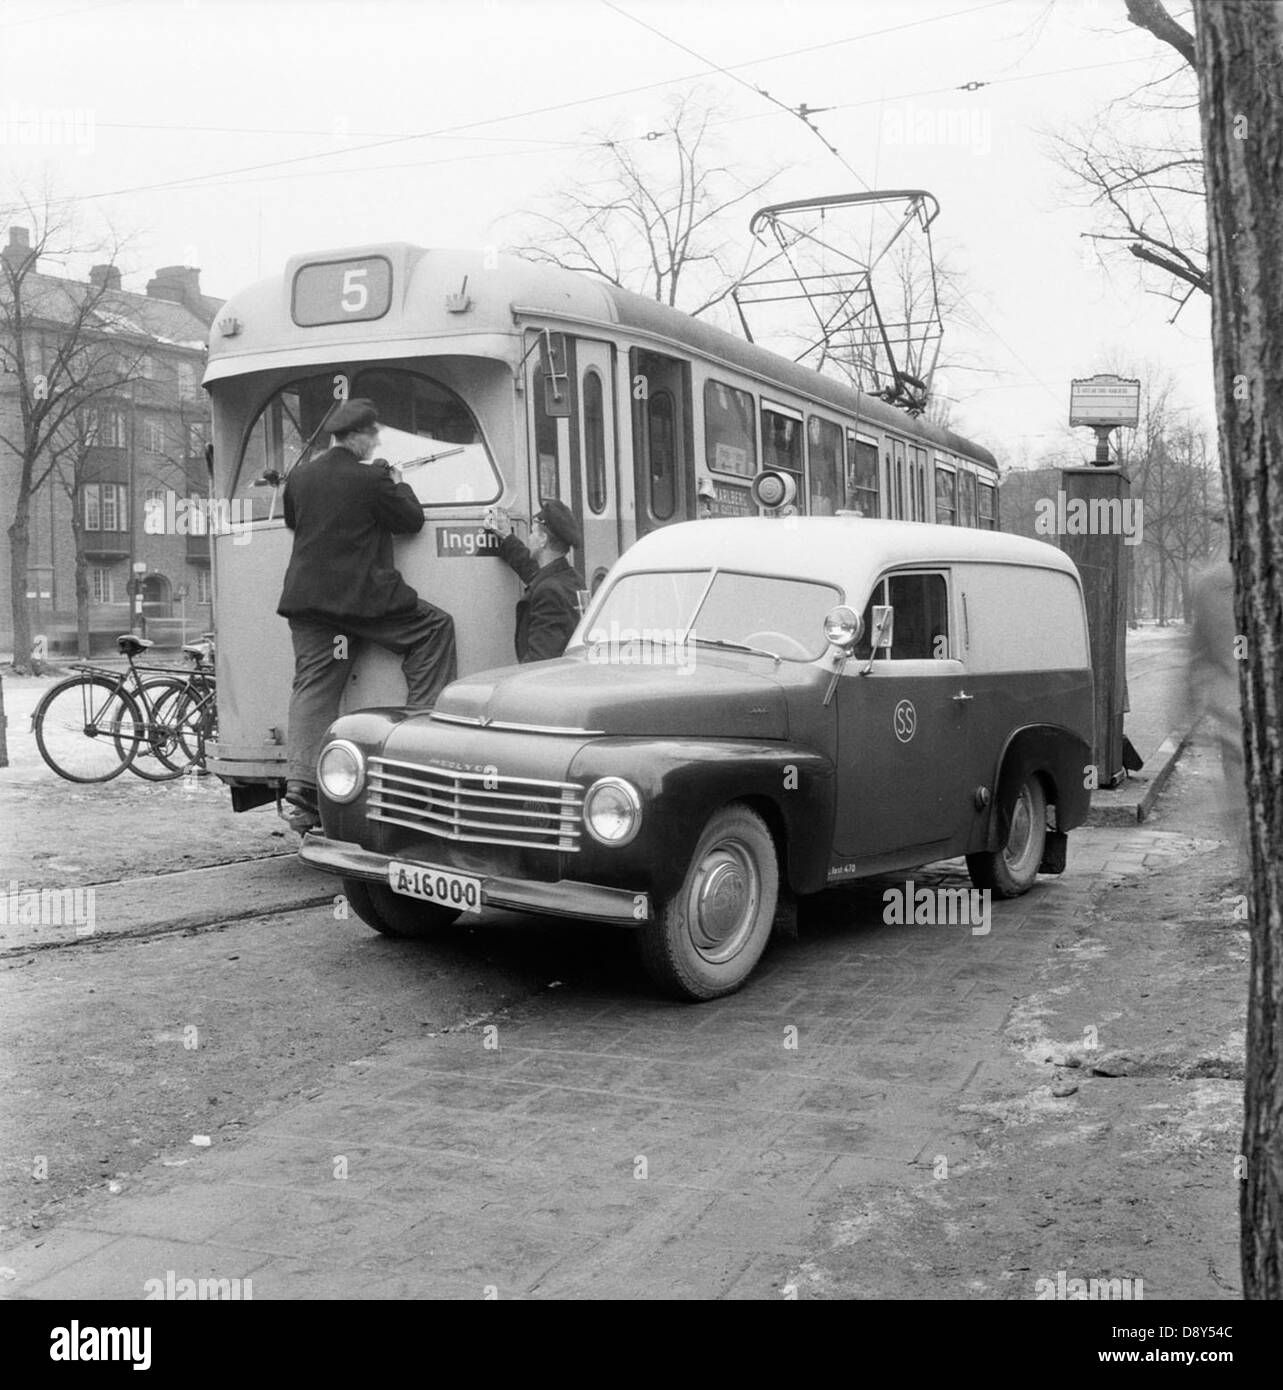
122	1270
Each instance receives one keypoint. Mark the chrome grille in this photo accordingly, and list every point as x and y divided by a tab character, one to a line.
476	807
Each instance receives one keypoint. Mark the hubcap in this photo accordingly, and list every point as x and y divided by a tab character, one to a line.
1021	835
724	900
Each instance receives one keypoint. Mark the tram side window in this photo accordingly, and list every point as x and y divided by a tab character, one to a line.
824	441
946	496
730	442
662	454
920	482
782	444
861	476
595	442
967	499
987	505
920	629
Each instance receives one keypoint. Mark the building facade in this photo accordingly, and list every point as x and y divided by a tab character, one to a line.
135	472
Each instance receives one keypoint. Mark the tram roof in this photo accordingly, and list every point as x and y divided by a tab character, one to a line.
497	286
825	548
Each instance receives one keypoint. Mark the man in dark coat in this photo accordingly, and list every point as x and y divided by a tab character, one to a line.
549	613
341	588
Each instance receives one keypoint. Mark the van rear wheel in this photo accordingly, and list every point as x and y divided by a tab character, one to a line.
1011	870
709	936
394	914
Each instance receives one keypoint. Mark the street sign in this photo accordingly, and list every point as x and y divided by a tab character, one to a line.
1104	400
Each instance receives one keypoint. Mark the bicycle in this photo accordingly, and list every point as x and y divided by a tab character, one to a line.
92	726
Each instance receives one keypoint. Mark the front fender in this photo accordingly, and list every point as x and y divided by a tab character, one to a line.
683	781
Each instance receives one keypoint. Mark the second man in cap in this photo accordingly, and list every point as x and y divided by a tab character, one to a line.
549	612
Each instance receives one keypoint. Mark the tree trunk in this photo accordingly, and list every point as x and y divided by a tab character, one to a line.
82	580
1240	70
19	550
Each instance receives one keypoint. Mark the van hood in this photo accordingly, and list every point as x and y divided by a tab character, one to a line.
708	699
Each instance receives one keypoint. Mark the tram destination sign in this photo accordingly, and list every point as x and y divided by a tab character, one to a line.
348	291
1104	400
460	542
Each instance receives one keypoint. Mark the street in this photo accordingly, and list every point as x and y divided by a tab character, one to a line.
287	1099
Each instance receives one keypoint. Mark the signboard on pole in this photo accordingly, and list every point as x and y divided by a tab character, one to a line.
1104	401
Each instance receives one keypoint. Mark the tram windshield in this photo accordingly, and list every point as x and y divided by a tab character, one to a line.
782	616
426	430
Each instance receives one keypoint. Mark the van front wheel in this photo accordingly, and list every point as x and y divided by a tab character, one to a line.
1011	870
706	940
392	914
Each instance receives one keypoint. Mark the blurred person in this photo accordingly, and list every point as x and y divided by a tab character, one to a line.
1214	687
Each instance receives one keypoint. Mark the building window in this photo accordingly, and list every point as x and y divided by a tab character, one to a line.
730	444
204	590
946	496
100	588
195	438
153	436
154	511
40	582
105	507
595	441
107	429
987	502
186	379
861	476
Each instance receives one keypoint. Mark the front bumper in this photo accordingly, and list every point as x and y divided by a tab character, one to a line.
566	898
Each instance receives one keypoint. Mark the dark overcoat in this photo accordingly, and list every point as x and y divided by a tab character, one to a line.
344	514
549	613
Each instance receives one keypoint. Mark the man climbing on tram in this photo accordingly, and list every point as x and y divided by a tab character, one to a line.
342	589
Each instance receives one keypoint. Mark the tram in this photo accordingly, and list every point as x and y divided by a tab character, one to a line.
501	382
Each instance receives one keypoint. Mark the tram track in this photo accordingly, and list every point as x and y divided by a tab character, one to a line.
160	904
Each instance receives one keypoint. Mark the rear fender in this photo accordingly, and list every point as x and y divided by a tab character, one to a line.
1057	755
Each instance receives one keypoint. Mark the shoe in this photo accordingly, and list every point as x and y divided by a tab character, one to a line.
303	795
301	820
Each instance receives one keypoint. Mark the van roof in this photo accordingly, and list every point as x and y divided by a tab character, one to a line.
829	548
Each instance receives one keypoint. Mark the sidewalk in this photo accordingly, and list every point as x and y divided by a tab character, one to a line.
884	1112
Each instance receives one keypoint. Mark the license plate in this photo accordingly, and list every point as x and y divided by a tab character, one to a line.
439	886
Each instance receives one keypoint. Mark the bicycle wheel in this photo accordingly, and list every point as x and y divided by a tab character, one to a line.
159	755
87	728
196	721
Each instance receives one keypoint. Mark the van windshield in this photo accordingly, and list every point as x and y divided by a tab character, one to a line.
782	616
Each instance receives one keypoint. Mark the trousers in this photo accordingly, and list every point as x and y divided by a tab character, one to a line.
423	638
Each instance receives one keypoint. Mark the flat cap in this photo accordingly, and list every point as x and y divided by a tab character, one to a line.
559	521
358	414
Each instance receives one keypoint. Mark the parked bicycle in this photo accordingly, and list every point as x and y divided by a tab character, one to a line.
155	720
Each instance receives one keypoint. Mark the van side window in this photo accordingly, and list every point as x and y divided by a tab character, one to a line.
921	628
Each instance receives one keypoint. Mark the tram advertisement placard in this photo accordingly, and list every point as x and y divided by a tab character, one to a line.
455	541
342	291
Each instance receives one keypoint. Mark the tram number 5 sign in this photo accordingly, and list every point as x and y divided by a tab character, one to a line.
342	291
905	721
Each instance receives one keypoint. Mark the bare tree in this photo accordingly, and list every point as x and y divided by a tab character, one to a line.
1240	70
650	216
59	353
1148	187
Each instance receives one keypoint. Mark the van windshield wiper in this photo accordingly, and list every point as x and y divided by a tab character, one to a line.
735	647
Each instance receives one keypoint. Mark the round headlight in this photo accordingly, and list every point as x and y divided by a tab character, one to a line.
612	811
340	770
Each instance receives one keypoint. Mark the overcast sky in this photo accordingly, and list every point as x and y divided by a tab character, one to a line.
231	134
